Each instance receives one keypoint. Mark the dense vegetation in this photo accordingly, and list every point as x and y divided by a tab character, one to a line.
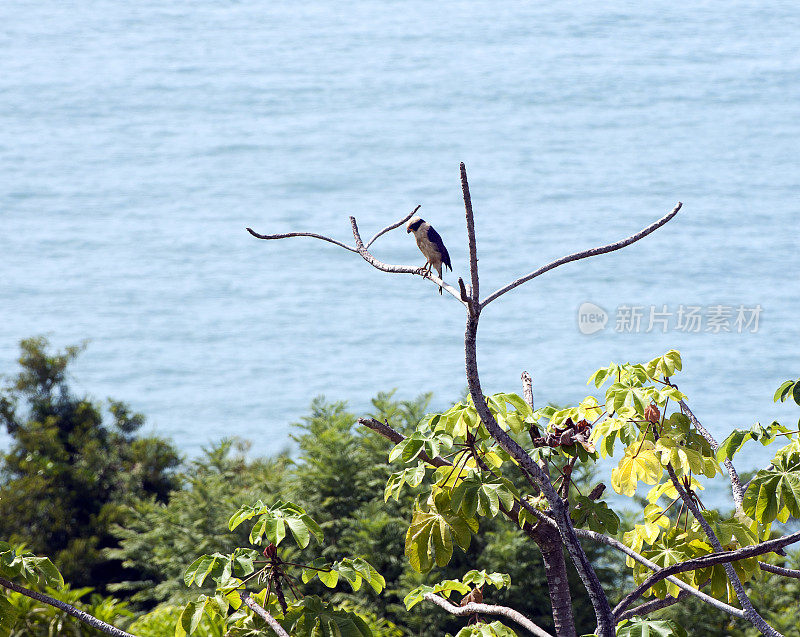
71	471
121	515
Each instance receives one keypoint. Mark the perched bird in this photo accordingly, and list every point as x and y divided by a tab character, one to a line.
430	244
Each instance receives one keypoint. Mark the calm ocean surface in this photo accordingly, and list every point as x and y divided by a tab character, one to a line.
137	140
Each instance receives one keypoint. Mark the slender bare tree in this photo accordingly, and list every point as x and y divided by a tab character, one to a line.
553	529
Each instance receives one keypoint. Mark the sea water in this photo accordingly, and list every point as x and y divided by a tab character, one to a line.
138	140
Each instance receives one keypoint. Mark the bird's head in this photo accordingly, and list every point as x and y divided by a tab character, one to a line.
413	224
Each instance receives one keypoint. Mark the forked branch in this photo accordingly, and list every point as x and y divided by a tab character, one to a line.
722	557
393	226
471	300
363	250
399	269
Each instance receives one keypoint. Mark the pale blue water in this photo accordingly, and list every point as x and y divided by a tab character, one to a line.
137	140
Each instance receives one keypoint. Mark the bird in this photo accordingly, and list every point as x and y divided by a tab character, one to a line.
430	244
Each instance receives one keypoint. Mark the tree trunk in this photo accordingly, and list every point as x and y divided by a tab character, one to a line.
559	512
555	567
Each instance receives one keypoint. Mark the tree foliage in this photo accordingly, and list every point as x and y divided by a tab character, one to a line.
80	466
350	517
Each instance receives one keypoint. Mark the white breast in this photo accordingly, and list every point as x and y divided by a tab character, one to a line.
426	247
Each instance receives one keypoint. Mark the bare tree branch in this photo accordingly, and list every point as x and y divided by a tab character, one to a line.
86	618
559	511
487	609
750	612
399	269
546	537
779	570
736	484
363	250
527	389
592	252
466	298
721	557
654	605
616	544
387	432
473	250
393	226
263	614
287	235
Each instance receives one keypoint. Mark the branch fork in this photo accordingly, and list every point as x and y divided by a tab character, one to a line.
469	297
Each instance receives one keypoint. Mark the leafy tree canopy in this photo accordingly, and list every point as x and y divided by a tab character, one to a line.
80	466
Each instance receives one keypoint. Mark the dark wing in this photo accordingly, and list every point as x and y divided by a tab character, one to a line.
436	240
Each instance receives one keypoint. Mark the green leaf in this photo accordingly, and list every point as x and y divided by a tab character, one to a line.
638	627
412	476
192	615
481	493
639	464
431	535
370	574
442	543
36	571
480	578
203	567
311	617
330	578
300	531
8	616
772	491
664	366
444	588
272	521
783	392
494	629
738	437
599	377
596	515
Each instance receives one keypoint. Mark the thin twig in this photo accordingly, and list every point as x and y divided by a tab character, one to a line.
611	247
287	235
654	605
86	618
473	250
393	226
487	609
263	614
387	432
779	570
736	483
398	269
527	389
